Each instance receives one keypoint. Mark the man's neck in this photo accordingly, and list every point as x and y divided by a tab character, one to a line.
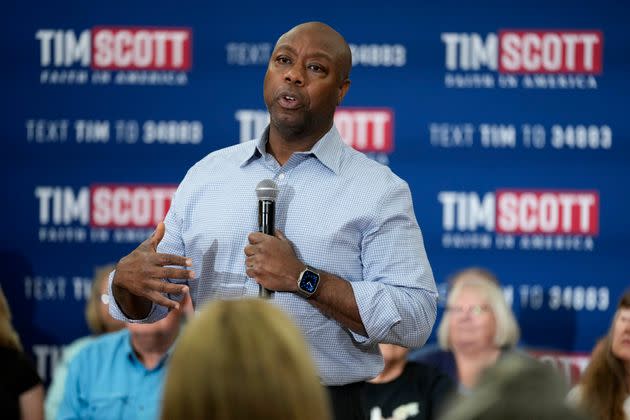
480	357
151	349
282	145
471	364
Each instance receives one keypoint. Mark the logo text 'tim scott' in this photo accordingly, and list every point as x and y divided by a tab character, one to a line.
117	48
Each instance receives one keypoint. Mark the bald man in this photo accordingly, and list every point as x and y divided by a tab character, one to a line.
347	261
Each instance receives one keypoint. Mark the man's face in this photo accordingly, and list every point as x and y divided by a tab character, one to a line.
303	84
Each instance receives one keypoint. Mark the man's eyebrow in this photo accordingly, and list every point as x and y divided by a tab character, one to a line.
317	54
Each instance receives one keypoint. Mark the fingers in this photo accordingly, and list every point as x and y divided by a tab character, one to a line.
172	259
256	237
280	235
175	273
156	289
157	236
250	250
250	267
163	286
162	300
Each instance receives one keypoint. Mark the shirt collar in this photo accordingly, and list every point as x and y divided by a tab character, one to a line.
133	357
327	150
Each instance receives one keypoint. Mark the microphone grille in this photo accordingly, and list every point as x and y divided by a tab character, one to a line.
267	190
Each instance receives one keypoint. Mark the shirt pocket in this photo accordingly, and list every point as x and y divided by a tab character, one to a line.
105	406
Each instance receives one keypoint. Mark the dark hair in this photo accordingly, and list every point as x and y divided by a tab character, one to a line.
604	387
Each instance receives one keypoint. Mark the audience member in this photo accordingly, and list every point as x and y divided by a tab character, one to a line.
516	388
99	321
604	390
120	375
477	328
406	390
21	389
243	360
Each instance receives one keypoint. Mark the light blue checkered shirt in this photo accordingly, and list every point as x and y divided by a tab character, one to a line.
345	214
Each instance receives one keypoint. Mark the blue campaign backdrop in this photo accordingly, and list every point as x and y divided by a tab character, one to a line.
506	119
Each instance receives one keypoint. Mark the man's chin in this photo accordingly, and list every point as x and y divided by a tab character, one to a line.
288	124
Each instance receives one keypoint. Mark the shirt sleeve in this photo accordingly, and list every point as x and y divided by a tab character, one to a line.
397	298
55	391
171	243
69	408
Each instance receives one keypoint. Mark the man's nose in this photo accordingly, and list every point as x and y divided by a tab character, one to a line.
294	75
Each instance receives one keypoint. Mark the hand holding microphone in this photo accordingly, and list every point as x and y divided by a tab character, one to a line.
267	192
270	258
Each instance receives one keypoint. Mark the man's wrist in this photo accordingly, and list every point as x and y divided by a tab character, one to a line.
308	282
131	306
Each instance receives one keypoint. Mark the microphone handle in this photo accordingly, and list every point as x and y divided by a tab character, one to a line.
266	222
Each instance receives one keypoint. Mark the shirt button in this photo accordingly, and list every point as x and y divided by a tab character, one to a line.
281	176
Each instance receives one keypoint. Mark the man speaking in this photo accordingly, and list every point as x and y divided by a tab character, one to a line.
347	261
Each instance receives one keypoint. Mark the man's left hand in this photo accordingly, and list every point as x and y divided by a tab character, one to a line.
271	261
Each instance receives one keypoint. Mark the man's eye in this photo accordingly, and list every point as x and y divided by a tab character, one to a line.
316	68
283	60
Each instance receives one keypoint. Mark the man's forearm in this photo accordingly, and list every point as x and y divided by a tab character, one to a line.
335	298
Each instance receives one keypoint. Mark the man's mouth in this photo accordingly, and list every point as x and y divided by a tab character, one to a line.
289	101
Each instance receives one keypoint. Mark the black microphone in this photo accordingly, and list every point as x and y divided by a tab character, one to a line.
267	191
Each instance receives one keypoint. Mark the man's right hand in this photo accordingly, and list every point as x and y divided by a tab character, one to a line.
140	277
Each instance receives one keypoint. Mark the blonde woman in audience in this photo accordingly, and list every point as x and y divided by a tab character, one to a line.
604	390
21	389
477	328
242	360
99	321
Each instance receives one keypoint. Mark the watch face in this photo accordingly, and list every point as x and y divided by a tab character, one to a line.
309	281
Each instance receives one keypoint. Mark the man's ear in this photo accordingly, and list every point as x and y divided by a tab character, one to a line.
343	89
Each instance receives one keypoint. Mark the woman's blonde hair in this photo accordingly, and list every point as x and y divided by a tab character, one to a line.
243	359
92	314
8	336
486	284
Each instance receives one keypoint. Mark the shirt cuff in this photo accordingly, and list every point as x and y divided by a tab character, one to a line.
378	312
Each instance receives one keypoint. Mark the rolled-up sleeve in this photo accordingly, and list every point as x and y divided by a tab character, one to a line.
397	298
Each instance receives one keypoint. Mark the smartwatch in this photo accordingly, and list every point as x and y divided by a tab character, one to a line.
308	282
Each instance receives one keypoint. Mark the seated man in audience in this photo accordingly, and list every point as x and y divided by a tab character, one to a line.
99	321
406	390
120	375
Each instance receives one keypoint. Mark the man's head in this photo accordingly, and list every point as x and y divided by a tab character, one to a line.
307	77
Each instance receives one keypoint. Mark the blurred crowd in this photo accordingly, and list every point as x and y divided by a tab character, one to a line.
245	359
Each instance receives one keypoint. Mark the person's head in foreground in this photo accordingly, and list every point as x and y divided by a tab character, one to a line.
516	388
243	359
